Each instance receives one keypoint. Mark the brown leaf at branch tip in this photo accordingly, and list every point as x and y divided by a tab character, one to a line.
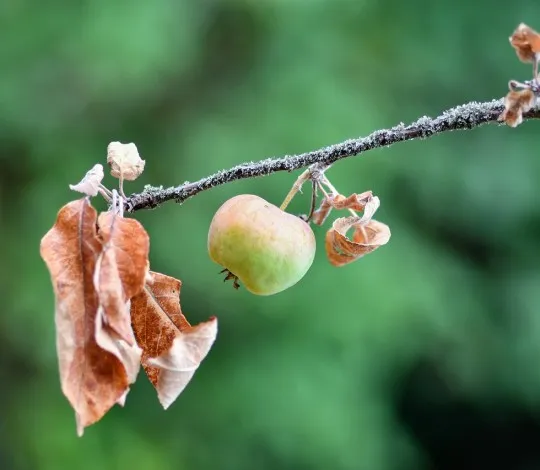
89	185
124	161
526	42
367	237
356	202
516	103
93	379
172	348
121	270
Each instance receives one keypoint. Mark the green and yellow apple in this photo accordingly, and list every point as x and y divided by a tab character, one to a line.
267	249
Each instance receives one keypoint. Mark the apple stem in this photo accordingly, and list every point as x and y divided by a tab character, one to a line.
315	173
296	187
313	204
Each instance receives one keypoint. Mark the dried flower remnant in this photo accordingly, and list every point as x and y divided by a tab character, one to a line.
516	103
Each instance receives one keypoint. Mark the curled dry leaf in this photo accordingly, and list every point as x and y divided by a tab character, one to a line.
93	379
356	202
516	103
124	161
89	185
526	42
121	270
368	233
367	237
119	275
172	348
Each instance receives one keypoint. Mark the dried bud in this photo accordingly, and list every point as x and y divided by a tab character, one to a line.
124	161
515	104
89	185
526	42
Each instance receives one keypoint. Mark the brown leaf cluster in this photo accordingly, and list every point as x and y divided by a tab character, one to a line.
368	234
106	316
522	96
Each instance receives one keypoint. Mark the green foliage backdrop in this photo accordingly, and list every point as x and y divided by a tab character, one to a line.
423	355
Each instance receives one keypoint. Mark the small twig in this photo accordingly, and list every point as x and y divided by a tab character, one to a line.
313	204
105	190
106	196
467	116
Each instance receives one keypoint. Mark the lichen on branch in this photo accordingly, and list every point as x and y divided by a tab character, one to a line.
467	116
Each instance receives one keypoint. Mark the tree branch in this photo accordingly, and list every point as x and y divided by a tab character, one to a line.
467	116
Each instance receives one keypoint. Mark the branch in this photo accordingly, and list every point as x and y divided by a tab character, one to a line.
467	116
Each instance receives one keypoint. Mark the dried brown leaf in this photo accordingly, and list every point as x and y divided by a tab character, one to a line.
526	42
367	237
124	161
172	348
356	202
121	270
92	379
516	103
128	354
89	185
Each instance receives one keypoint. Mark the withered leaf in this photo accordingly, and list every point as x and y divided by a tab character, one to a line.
121	270
517	102
172	348
356	202
124	161
367	237
92	379
526	42
89	185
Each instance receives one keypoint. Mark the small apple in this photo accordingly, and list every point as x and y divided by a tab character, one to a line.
267	249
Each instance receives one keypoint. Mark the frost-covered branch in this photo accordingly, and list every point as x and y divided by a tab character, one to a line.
467	116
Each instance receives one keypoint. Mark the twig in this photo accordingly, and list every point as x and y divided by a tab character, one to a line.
313	204
467	116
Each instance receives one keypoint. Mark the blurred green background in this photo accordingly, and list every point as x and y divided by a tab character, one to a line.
423	355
